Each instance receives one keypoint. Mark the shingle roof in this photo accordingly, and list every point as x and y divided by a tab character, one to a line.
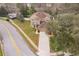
40	16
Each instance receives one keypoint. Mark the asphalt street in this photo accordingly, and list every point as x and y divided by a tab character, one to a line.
13	43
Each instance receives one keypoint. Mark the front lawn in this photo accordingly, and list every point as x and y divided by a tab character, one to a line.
26	27
1	52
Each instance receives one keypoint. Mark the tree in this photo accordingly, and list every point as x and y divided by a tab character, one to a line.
3	11
25	10
64	36
21	17
52	13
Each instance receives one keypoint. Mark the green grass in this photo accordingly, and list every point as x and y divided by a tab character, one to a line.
54	45
4	18
1	52
26	27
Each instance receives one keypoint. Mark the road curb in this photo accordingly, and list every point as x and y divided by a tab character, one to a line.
1	45
2	48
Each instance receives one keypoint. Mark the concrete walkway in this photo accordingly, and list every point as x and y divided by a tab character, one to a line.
44	49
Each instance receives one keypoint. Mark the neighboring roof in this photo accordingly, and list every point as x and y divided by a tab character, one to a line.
40	16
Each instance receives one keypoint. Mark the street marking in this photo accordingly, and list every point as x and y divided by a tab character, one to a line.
13	41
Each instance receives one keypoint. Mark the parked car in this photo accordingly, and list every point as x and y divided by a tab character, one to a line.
12	15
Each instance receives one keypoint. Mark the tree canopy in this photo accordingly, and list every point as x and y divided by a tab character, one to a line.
3	11
65	33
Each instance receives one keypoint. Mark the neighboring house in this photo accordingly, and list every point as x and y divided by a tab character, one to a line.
39	20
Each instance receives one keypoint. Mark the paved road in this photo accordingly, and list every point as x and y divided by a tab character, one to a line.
14	44
44	49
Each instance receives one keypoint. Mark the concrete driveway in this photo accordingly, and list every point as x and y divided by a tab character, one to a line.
44	49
